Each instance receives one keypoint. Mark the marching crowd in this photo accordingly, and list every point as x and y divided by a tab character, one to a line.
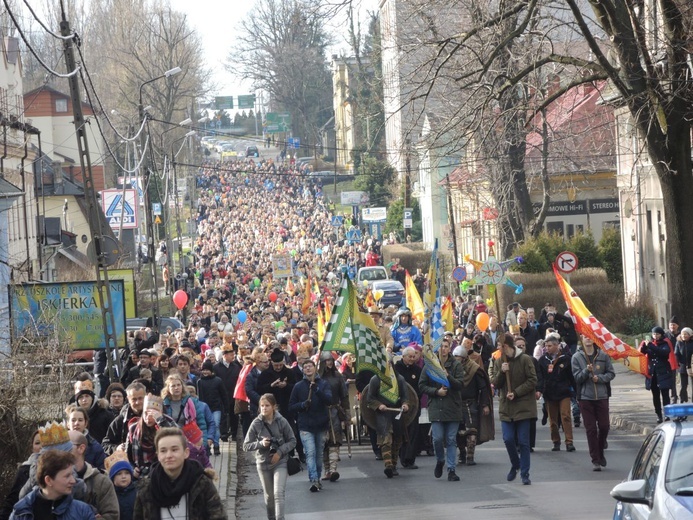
248	362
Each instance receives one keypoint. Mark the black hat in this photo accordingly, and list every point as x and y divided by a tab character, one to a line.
208	365
674	319
86	391
277	355
658	330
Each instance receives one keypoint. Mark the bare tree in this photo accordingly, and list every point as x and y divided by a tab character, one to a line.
281	49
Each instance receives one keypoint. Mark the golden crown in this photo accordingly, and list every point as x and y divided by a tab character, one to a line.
153	402
52	434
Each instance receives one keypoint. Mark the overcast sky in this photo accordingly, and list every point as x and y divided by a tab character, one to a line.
217	22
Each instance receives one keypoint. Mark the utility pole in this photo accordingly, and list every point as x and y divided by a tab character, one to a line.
95	219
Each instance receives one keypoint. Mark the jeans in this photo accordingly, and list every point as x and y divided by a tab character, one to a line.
313	445
274	485
217	421
521	429
445	436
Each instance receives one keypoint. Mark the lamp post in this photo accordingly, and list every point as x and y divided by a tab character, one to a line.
147	203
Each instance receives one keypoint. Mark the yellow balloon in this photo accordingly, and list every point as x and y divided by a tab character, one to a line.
365	283
378	294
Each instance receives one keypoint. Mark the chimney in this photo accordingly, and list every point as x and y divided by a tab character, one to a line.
57	173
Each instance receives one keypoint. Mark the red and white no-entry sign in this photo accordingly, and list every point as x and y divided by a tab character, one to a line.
567	262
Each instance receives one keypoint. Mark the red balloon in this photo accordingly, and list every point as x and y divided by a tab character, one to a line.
180	299
273	296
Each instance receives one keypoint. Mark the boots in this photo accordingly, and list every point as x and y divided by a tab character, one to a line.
659	416
471	447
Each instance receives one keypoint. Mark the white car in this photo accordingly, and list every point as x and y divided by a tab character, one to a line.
660	484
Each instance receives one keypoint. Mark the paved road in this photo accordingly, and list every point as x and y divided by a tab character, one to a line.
563	486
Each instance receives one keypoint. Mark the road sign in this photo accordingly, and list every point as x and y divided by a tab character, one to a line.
117	208
459	273
223	102
408	218
276	122
246	101
156	208
337	220
293	142
353	236
567	262
157	220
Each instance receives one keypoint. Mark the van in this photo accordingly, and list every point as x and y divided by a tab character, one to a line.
370	275
132	324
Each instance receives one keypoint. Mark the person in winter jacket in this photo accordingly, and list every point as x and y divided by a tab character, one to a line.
593	371
177	487
99	415
181	407
271	438
21	477
516	380
211	391
310	400
340	413
78	420
684	353
117	432
445	410
125	486
52	498
141	431
661	375
100	493
557	388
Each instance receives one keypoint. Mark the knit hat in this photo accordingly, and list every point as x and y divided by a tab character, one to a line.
658	330
85	392
119	466
674	319
208	365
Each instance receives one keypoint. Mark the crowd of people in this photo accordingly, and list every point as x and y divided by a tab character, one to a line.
248	363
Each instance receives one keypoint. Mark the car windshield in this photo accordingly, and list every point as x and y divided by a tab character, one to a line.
373	274
679	477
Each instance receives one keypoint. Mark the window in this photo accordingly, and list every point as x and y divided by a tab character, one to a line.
555	227
61	105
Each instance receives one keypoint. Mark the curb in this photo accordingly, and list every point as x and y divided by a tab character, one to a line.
622	422
232	482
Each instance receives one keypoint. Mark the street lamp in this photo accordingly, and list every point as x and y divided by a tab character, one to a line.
147	203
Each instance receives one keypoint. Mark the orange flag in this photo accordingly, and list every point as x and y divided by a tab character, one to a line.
307	300
369	301
290	288
588	325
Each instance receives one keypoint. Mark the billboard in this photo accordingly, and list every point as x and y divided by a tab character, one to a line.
282	266
374	214
128	276
69	311
354	198
120	204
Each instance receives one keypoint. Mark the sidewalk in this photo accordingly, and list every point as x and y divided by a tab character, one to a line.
227	475
631	405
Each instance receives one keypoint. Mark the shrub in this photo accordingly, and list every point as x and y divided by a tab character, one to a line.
582	244
610	254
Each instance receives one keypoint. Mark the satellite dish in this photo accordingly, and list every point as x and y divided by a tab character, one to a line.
111	252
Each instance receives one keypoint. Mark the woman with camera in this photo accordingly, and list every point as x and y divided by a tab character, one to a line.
271	437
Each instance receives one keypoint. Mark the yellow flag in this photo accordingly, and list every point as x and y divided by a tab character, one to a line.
413	299
447	315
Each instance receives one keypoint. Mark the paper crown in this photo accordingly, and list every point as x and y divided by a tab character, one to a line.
152	402
117	456
52	434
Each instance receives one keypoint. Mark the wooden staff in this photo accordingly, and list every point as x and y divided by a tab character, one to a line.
503	357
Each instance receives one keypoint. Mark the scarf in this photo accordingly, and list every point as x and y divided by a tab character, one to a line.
167	493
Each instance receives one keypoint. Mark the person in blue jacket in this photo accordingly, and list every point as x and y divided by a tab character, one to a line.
403	332
310	400
183	408
125	486
52	498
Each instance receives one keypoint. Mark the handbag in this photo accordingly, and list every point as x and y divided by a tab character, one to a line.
293	465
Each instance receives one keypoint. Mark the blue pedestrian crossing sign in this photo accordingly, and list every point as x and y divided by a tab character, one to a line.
337	220
120	206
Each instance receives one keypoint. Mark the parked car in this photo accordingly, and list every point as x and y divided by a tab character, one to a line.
252	151
371	274
660	484
393	292
164	323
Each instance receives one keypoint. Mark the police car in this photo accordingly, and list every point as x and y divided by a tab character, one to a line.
660	484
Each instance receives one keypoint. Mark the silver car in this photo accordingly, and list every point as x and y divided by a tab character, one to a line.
660	484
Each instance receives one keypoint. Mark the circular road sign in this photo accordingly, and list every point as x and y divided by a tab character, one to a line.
459	273
567	262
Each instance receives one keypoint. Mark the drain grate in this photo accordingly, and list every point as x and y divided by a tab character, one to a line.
500	506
